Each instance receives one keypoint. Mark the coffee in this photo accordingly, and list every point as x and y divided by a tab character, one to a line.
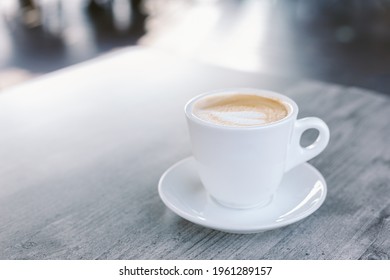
239	109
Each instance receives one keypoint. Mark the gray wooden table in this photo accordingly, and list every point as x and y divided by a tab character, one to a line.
82	150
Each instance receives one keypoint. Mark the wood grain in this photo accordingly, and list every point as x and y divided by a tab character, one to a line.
81	155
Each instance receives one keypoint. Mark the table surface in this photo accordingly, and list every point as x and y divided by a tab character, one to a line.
82	150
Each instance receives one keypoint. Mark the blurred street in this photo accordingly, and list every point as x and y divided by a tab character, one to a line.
345	42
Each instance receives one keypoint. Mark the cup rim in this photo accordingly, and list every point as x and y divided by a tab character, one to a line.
288	102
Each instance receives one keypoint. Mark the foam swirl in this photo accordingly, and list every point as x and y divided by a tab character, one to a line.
239	110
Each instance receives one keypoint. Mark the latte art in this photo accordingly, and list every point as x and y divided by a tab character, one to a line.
239	110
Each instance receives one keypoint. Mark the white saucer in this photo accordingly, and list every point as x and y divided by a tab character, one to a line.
302	191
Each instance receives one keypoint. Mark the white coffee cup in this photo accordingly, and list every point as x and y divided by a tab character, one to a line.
242	167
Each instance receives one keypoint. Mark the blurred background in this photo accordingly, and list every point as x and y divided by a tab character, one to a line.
346	42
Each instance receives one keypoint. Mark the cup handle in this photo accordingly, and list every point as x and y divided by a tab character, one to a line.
298	154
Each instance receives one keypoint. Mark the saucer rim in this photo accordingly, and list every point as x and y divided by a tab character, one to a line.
246	229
